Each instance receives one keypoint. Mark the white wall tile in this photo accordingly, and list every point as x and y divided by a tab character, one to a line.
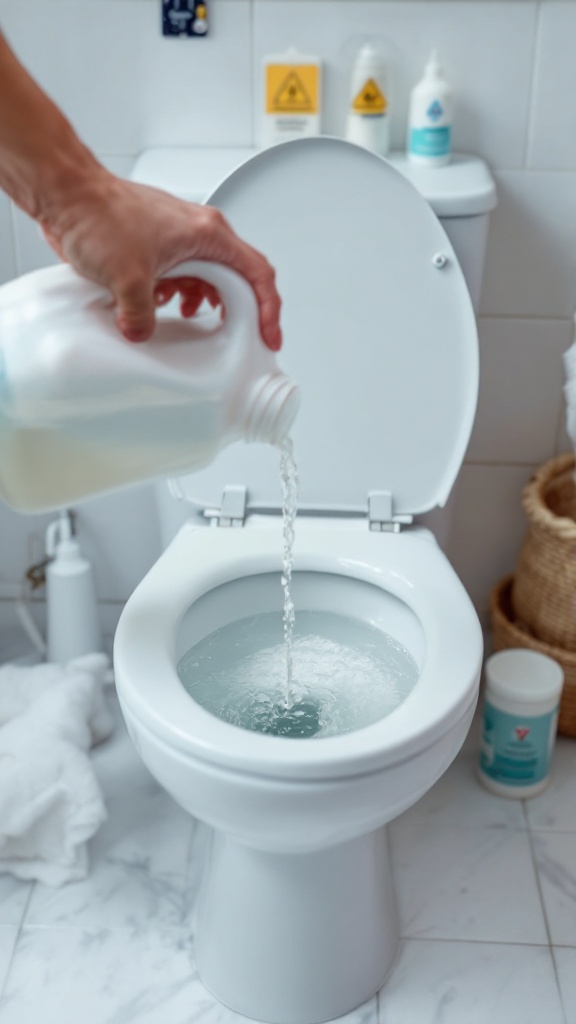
488	527
486	50
552	144
531	257
151	90
521	378
120	535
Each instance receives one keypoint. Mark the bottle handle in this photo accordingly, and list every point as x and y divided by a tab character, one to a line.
237	296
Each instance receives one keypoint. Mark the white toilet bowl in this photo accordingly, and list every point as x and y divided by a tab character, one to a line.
296	919
296	915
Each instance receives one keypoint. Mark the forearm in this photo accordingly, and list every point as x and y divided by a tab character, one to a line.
42	160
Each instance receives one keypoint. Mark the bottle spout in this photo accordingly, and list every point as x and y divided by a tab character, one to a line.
273	408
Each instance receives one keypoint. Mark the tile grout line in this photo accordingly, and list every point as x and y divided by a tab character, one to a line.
25	909
543	905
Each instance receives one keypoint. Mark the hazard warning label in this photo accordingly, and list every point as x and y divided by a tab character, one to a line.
370	99
292	89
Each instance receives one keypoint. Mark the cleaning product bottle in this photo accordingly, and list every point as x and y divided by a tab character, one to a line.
430	117
520	718
368	121
292	97
72	622
83	411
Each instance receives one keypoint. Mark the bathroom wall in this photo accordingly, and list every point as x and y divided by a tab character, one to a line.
126	88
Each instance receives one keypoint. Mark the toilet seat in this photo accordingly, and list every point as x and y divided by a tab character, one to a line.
379	333
409	566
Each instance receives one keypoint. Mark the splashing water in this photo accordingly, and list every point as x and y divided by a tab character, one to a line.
289	485
346	674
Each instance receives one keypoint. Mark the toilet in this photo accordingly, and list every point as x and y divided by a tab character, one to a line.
296	919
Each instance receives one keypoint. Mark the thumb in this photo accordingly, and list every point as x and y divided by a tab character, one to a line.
136	307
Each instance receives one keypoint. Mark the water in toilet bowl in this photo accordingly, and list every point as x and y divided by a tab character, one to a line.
346	674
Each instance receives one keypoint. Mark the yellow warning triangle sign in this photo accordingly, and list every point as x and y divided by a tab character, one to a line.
292	96
370	99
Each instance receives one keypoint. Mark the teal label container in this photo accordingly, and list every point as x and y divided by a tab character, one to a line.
520	718
430	141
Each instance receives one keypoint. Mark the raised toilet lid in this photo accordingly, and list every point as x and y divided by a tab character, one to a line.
379	331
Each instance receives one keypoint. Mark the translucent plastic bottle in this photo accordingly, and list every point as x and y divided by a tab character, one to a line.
368	122
83	411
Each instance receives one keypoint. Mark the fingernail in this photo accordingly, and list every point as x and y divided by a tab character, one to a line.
135	334
275	341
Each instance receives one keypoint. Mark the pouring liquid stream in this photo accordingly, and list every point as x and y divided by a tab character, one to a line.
289	485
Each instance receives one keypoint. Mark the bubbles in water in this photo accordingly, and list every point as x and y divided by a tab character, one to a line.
346	674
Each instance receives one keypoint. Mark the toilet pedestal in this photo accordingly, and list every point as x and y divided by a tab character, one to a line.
299	938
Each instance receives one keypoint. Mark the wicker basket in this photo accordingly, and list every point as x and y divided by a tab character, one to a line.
506	632
544	587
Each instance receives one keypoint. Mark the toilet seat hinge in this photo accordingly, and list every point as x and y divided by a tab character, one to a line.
381	513
233	509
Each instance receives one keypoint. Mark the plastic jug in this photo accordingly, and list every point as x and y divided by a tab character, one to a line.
83	411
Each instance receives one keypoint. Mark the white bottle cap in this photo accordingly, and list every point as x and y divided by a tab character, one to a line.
525	676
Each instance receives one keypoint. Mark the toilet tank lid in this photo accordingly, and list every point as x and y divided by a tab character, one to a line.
463	188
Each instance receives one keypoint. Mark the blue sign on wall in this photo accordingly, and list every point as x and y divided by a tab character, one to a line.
184	18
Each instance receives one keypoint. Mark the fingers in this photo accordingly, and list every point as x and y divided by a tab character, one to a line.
218	241
192	290
135	308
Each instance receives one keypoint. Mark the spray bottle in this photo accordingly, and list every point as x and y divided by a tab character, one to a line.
72	626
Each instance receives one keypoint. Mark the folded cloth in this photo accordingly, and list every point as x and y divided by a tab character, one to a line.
50	799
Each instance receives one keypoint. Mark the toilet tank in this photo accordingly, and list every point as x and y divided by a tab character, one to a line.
462	194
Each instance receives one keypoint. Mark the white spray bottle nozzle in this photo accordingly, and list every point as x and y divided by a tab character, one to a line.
433	67
59	536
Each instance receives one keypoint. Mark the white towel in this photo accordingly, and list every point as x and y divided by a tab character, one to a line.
50	799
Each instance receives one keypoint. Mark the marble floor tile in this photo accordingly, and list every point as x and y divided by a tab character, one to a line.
466	883
68	976
14	896
555	854
555	807
458	798
7	942
471	983
138	873
565	960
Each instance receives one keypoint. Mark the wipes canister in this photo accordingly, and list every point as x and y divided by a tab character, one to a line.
520	717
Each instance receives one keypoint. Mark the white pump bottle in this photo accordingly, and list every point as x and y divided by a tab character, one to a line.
72	622
430	118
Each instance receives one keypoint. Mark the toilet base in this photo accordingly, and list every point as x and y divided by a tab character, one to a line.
299	938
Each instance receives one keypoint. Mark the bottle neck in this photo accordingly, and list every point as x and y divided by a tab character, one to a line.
272	408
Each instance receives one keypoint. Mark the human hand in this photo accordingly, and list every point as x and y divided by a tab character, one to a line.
125	236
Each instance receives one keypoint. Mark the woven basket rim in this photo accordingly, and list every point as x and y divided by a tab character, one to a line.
525	638
533	501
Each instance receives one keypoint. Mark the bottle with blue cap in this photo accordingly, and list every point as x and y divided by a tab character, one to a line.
430	117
